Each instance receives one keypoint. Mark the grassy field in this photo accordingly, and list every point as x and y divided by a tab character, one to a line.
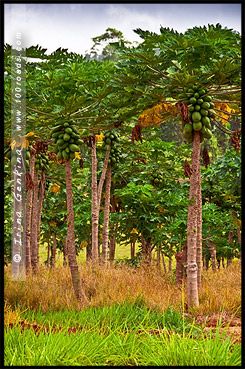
127	334
134	316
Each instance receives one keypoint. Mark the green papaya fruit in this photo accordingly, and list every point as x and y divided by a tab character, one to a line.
8	155
65	154
56	134
66	137
207	134
60	142
71	141
79	142
204	112
207	98
68	130
59	155
192	100
66	124
196	116
72	155
191	108
74	148
13	160
197	126
206	105
55	149
211	113
67	149
188	127
197	107
61	135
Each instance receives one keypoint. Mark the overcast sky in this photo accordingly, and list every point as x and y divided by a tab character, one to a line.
73	25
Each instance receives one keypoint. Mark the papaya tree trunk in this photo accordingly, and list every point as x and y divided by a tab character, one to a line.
112	242
213	254
170	264
180	260
146	245
164	263
105	232
34	221
78	288
192	287
94	205
132	249
48	256
65	252
53	255
230	258
89	250
40	205
96	192
199	229
29	204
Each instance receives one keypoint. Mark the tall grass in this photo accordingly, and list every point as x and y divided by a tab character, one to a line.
52	289
117	349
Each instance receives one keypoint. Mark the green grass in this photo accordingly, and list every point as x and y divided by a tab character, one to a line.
112	338
124	316
117	335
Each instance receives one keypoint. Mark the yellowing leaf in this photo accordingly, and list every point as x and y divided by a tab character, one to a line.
237	222
55	188
30	134
99	138
134	231
156	115
84	244
52	223
77	156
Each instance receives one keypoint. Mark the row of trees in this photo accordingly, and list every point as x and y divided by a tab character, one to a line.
97	96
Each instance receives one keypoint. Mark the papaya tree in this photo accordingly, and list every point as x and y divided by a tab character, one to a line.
195	76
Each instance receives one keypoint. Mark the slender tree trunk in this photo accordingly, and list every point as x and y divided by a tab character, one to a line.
29	204
180	260
89	250
213	254
223	262
105	232
65	252
132	249
53	251
34	259
78	289
170	264
229	259
96	192
164	263
239	238
112	242
40	205
146	251
48	257
199	229
192	287
95	207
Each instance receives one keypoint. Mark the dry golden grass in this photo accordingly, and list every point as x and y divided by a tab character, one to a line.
52	289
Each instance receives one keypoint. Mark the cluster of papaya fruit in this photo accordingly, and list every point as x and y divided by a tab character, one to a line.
200	108
156	179
41	161
67	140
112	138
